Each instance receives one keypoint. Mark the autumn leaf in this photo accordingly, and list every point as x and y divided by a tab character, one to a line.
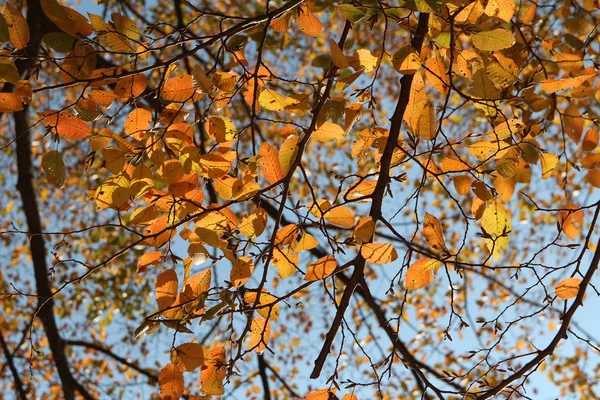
171	382
260	332
269	163
567	288
320	269
421	273
379	253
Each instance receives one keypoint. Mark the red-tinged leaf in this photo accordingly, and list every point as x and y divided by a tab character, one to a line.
568	288
379	253
321	269
421	273
10	102
149	258
260	332
213	373
308	23
68	126
170	380
269	163
179	89
166	288
131	86
17	27
189	356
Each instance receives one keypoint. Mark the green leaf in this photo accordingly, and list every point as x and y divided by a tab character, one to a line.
59	41
351	13
4	35
8	71
54	167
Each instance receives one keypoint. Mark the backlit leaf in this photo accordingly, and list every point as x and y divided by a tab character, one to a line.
54	167
166	288
269	163
379	253
260	332
421	273
170	380
568	288
495	39
320	269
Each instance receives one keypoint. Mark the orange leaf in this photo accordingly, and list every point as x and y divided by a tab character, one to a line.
147	259
420	274
17	27
308	23
340	216
67	19
171	382
432	230
166	288
196	285
554	85
137	123
286	235
10	102
320	394
568	288
267	303
379	253
213	373
179	89
590	140
321	269
131	86
260	331
189	356
364	230
269	163
241	271
328	132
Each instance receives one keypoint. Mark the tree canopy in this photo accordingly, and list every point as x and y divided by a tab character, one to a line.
310	199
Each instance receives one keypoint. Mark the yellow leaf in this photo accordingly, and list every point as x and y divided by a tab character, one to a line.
495	39
54	168
427	125
568	288
286	261
170	380
253	225
271	100
328	132
363	59
267	302
379	253
114	159
287	153
306	242
340	216
549	162
260	332
420	273
506	129
500	9
406	60
220	129
496	223
321	269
